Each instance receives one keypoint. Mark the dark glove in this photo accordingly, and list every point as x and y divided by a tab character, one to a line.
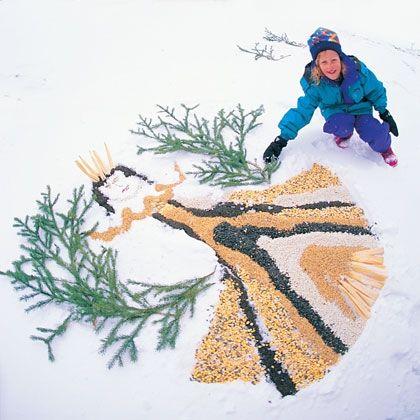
274	149
387	117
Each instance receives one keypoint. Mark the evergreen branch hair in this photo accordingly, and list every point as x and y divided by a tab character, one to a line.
87	286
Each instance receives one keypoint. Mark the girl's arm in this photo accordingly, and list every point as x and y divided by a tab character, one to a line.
297	118
375	91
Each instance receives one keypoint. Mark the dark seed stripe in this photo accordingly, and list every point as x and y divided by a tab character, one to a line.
274	369
255	232
236	239
230	209
244	240
176	225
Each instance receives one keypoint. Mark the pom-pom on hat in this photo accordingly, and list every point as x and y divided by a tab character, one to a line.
323	39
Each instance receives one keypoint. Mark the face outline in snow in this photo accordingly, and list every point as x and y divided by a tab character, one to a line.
121	186
118	187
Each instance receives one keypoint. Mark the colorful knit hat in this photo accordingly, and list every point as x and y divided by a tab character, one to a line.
323	39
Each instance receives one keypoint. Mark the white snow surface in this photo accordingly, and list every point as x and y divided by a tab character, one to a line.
77	73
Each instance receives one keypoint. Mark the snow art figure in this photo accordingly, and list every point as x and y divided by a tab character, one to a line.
302	268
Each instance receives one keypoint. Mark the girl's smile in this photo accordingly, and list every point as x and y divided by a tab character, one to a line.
330	64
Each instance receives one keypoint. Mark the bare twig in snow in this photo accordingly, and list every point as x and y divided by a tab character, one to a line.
271	37
265	52
411	50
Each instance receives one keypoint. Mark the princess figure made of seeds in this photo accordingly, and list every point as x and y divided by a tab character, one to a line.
303	268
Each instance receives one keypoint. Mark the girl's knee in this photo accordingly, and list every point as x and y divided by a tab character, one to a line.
373	132
381	144
340	125
368	127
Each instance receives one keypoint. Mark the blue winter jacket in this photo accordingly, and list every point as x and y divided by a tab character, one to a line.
357	93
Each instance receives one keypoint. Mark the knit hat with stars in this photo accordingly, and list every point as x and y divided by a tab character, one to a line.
323	39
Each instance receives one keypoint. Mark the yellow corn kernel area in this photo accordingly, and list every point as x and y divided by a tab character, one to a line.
228	352
307	181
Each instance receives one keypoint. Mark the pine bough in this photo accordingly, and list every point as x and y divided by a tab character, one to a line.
88	286
227	164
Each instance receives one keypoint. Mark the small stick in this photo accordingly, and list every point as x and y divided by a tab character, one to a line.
350	293
99	170
108	153
363	289
88	166
359	310
362	278
368	259
365	296
101	164
375	272
371	251
87	172
356	295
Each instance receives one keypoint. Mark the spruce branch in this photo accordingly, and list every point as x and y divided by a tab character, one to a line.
53	334
87	286
178	299
227	164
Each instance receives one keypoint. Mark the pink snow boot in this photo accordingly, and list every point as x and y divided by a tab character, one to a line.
342	142
390	157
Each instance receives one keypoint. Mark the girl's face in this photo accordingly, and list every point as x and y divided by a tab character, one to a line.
330	64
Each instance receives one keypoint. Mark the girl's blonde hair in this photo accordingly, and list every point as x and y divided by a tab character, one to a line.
316	72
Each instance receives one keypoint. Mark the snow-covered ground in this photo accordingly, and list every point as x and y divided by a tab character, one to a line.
77	73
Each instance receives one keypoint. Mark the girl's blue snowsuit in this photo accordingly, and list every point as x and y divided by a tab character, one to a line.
345	106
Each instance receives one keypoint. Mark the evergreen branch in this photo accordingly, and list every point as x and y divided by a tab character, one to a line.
126	346
179	302
53	334
227	163
175	300
88	285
